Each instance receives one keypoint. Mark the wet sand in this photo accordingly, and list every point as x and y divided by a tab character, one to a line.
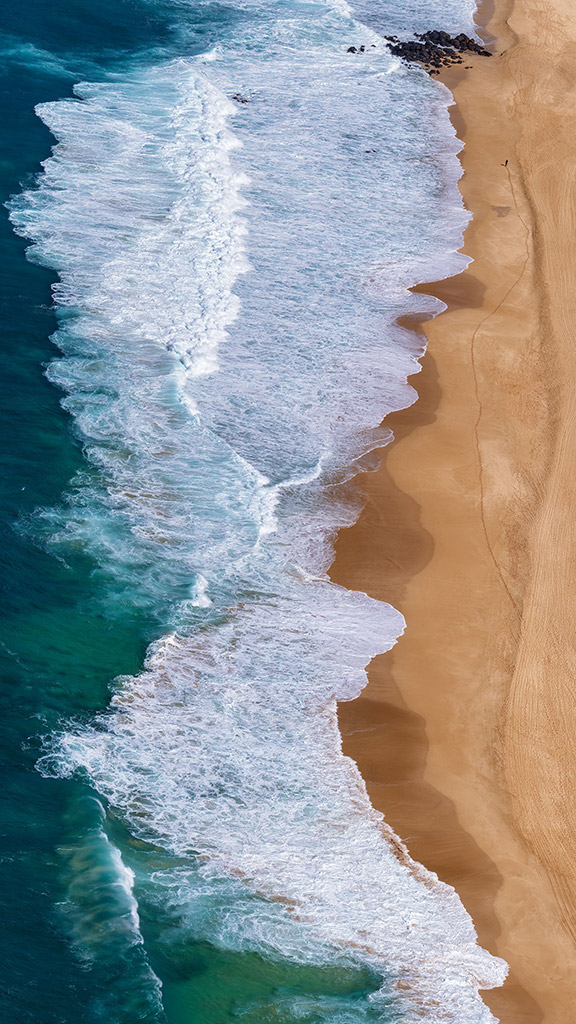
466	731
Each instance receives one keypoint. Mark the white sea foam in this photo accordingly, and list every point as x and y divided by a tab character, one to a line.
229	278
247	779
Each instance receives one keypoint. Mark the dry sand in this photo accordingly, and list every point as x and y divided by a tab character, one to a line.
466	732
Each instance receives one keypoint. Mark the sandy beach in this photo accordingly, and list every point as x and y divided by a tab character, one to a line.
466	732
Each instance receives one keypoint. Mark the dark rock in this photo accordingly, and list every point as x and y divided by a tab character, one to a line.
351	49
434	48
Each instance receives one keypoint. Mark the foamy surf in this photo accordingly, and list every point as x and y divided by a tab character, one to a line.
248	781
229	277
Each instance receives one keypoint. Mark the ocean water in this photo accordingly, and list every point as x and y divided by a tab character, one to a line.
213	216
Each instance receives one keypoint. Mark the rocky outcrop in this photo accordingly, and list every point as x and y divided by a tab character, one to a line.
433	50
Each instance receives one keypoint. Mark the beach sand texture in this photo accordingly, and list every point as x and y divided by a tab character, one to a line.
466	732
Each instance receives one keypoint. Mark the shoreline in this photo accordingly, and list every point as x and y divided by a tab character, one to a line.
453	535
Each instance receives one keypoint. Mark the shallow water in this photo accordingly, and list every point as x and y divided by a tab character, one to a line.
226	279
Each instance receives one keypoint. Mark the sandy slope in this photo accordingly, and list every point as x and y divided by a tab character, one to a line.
466	733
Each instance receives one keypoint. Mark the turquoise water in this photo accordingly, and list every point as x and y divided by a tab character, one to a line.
200	345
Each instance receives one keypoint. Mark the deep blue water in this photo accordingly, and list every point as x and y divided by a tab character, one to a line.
212	296
52	655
